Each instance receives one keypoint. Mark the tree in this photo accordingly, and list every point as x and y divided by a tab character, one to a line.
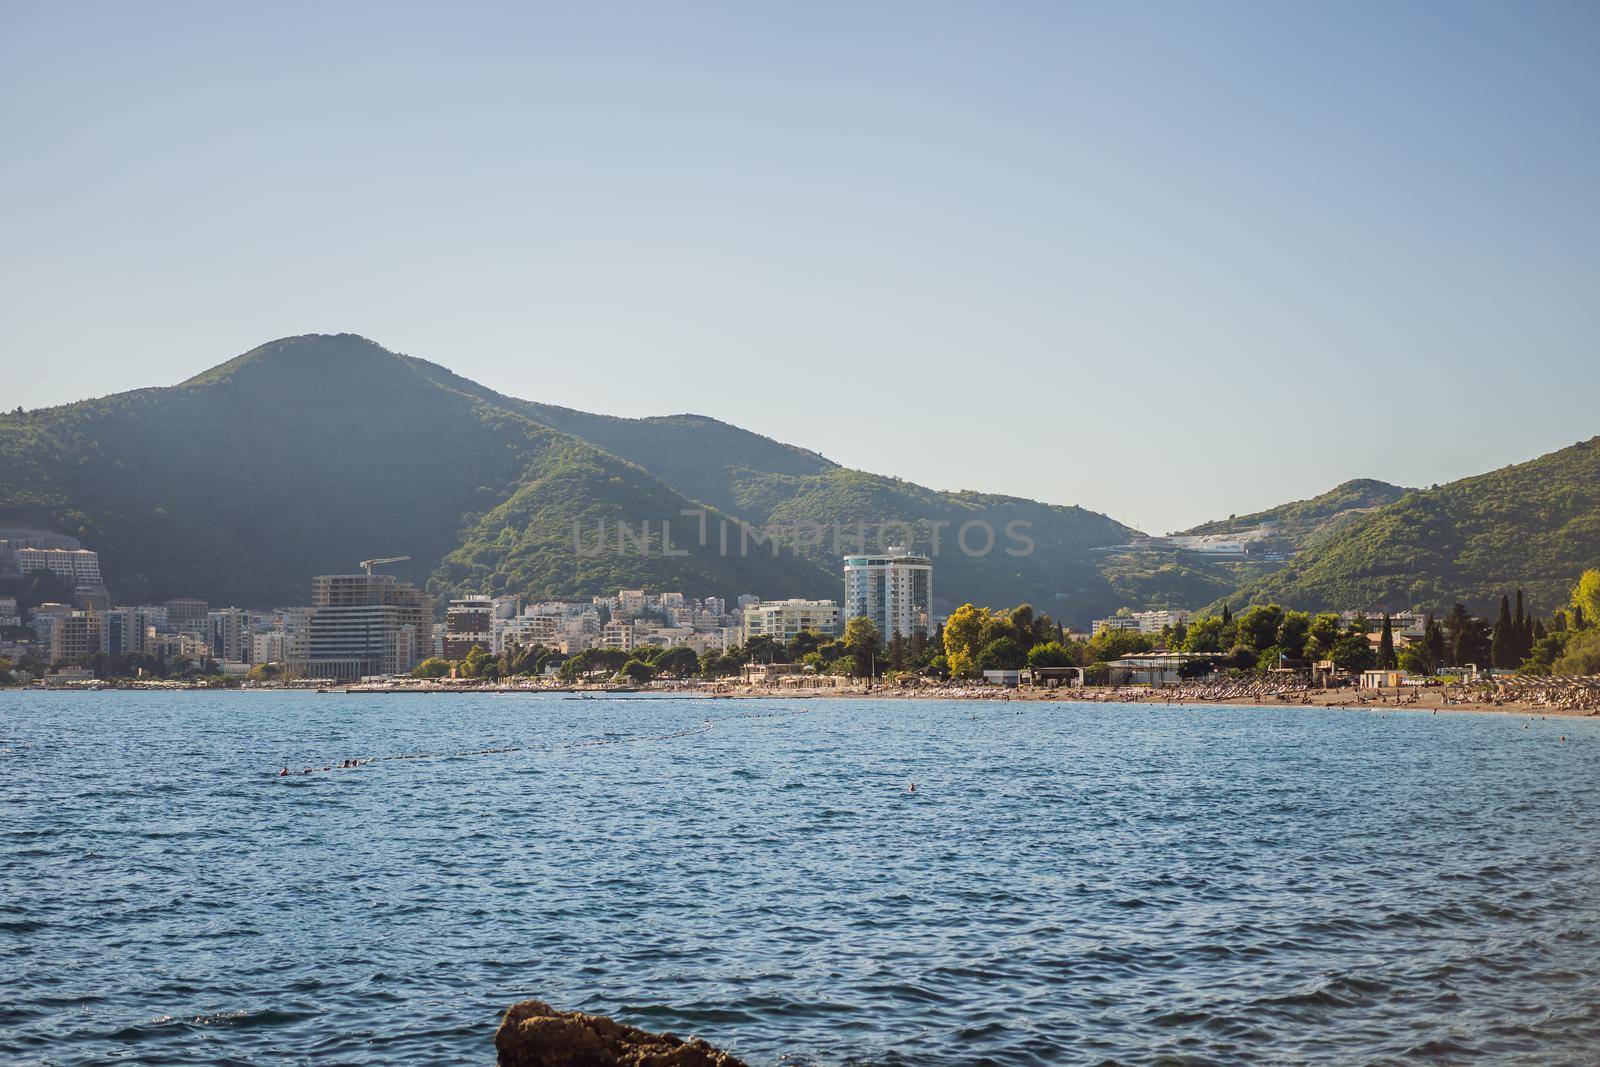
637	671
476	663
1586	599
1387	660
1503	644
1352	653
1113	643
1582	655
762	648
592	660
1413	659
1205	634
1227	615
1321	636
1049	654
1467	638
1522	632
862	640
1433	643
1292	633
1257	627
1003	653
962	632
1544	654
677	662
432	667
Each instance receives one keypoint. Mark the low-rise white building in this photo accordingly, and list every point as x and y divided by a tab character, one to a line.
72	565
1145	622
783	619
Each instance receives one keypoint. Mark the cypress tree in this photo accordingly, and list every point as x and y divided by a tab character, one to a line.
1503	645
1523	631
1227	615
1387	660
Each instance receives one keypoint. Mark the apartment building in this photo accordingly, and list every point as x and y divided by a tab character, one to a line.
894	590
365	624
468	621
783	619
72	565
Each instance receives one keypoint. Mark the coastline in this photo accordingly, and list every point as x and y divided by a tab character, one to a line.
1432	699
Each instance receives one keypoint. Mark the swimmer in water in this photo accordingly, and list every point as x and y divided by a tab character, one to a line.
912	788
284	773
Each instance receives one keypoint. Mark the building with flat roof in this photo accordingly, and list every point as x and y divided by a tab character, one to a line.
187	613
1145	622
893	589
75	638
783	619
468	621
228	635
366	624
72	565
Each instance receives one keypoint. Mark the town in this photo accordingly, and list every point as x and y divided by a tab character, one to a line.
370	629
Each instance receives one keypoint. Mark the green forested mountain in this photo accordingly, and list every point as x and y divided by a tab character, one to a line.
1533	525
310	453
1303	522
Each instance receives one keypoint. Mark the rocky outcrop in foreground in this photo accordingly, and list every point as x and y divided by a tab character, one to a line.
533	1034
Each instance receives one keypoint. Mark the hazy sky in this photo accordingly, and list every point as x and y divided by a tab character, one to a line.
1164	260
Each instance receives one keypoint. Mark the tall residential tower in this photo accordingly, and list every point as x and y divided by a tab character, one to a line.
894	590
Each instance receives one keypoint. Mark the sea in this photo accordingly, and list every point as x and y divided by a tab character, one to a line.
800	882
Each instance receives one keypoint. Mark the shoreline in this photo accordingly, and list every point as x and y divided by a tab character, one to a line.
1432	699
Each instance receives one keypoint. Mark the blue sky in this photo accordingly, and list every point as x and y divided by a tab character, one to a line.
1168	261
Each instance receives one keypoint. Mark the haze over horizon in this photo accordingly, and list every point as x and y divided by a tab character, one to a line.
1047	250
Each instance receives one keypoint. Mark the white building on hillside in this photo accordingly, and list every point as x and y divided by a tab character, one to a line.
72	565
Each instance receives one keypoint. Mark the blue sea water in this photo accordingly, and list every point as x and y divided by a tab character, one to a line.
1066	884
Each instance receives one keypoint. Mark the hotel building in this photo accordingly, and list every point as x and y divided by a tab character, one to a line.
894	590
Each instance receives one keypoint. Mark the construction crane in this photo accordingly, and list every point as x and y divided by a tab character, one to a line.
368	564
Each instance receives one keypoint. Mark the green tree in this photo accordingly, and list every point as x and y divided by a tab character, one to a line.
637	671
475	664
1387	660
1111	644
1003	653
677	662
1582	654
763	648
864	643
1321	636
962	632
1205	634
1049	654
1503	643
1257	627
1292	633
1352	653
432	667
1585	599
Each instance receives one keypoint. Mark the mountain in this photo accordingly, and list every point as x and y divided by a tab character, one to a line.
1302	523
310	453
1533	525
1179	572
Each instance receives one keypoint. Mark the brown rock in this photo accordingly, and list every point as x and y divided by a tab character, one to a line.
533	1034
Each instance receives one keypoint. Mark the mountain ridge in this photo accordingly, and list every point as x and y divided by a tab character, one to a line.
307	453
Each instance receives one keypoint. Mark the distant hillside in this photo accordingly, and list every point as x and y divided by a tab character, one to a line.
1534	525
1303	522
308	454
